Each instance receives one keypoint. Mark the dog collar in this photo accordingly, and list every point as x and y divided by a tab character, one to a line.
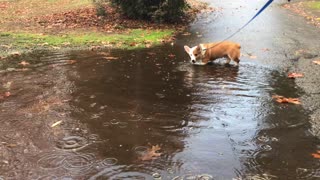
203	49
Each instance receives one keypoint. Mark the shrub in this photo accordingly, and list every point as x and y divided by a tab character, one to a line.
155	10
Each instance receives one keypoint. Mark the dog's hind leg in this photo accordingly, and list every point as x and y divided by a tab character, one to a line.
228	59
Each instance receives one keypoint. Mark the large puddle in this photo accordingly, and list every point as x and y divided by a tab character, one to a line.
78	115
209	121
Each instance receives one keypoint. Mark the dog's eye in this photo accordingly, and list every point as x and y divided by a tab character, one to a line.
196	54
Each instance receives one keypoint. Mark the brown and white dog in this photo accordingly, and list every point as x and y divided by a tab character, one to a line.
205	53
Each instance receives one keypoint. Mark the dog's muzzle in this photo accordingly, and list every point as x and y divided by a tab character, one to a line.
193	61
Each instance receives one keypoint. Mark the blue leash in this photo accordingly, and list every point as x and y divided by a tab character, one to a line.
256	15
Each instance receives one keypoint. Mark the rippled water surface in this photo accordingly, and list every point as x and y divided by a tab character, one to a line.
210	122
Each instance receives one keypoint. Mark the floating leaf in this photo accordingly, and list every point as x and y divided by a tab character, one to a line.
316	155
281	99
71	61
110	58
151	153
171	55
294	75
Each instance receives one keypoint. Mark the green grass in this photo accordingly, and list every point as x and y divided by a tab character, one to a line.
314	5
136	38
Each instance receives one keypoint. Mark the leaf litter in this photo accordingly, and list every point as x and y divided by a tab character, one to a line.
282	99
316	155
295	75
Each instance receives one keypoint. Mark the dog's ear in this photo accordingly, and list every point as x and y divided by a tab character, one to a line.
187	49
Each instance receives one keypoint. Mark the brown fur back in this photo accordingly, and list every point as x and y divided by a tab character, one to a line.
217	50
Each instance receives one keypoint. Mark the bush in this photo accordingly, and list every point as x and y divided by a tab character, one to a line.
155	10
99	4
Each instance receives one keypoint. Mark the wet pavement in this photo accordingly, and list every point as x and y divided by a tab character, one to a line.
93	118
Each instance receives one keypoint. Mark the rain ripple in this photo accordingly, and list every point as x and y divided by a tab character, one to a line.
75	164
72	143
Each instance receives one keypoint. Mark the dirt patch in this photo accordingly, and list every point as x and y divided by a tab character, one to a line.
307	9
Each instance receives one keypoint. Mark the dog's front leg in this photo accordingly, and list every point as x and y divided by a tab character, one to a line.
205	60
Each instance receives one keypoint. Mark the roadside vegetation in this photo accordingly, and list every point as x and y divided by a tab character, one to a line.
310	10
55	24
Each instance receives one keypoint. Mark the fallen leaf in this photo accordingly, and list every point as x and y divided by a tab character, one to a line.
186	34
56	123
151	153
133	44
16	53
7	85
294	75
71	61
7	94
104	53
281	99
252	57
171	55
265	49
316	155
11	145
24	63
110	58
316	62
148	45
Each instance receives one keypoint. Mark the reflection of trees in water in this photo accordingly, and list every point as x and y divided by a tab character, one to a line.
138	102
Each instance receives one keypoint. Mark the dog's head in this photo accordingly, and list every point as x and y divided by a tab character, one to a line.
195	53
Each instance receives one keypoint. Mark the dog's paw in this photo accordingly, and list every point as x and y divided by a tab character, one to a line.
199	64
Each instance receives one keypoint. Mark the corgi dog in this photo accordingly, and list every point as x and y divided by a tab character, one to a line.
205	53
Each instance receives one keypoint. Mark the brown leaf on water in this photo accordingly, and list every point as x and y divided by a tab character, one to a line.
316	155
171	55
253	57
71	61
110	58
294	75
265	49
316	62
281	99
151	153
24	63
